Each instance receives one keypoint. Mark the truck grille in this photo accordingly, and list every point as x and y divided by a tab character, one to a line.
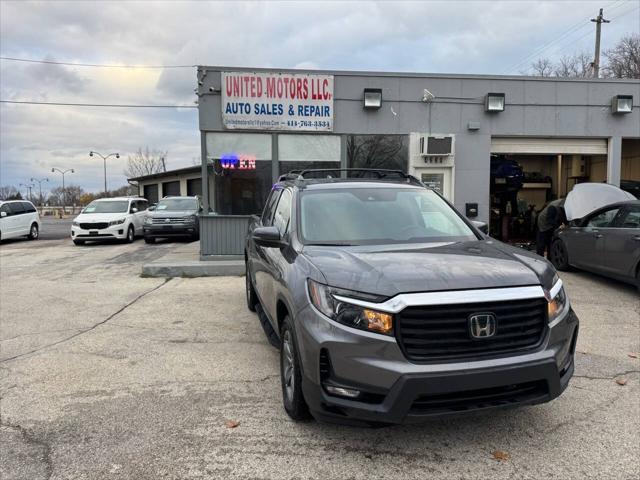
442	331
167	220
94	226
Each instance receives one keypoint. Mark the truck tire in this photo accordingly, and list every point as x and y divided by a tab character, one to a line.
291	375
252	298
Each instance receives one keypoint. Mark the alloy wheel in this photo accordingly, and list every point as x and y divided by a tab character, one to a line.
288	365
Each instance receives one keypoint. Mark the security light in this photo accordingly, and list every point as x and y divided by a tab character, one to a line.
372	98
622	104
494	102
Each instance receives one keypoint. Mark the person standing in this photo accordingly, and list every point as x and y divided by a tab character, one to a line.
550	218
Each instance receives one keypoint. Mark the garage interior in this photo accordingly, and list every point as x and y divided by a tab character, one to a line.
528	173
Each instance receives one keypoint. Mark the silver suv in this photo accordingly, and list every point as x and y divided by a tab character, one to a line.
389	306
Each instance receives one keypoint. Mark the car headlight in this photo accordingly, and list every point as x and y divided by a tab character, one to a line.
116	222
75	224
148	220
558	301
323	297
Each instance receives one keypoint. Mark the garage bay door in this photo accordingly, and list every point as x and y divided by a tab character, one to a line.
549	146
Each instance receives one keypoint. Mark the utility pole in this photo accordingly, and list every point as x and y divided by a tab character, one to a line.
599	20
28	187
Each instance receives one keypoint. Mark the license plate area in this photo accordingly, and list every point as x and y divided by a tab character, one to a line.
93	232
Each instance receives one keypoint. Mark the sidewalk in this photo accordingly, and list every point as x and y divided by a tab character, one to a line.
184	261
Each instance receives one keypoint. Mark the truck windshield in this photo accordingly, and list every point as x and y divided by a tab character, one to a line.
112	206
373	216
177	204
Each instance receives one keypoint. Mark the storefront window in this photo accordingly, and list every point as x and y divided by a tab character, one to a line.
303	152
241	166
378	151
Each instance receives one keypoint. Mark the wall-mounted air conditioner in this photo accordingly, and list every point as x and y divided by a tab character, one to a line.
436	146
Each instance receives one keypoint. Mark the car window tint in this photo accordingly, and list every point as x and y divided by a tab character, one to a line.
283	212
267	214
603	219
16	208
631	218
5	208
28	207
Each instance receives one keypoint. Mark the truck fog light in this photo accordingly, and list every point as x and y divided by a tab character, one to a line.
341	391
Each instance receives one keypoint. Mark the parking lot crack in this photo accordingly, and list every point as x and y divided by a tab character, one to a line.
92	327
31	439
615	375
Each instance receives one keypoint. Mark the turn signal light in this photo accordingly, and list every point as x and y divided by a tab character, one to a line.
378	321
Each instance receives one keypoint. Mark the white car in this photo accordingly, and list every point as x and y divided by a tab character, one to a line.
19	218
118	218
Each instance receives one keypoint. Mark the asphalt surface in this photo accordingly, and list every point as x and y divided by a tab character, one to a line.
108	375
55	228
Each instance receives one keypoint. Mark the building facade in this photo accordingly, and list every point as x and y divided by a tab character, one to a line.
460	134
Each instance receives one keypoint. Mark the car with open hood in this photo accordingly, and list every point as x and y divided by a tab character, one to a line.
603	233
389	306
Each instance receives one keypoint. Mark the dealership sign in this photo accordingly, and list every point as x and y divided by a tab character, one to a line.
277	101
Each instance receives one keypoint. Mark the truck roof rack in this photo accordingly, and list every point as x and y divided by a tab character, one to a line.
336	173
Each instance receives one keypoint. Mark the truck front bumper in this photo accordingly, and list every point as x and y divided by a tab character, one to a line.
394	390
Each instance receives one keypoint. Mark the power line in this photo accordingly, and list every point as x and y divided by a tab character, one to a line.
98	65
24	102
571	30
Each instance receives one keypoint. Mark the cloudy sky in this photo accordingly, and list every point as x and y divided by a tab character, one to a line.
427	36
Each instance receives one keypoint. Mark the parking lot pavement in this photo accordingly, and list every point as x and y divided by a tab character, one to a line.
109	375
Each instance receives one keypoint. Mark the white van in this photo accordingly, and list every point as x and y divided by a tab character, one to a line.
120	218
19	218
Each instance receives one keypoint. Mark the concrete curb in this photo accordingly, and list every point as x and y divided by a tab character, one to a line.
220	268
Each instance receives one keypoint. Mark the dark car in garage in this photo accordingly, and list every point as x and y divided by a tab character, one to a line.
605	241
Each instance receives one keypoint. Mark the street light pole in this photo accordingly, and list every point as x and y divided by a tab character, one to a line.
28	187
40	185
64	191
104	160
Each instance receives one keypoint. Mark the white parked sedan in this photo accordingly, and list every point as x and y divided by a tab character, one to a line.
118	218
19	218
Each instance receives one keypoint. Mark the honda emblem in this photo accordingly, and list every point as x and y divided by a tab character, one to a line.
482	325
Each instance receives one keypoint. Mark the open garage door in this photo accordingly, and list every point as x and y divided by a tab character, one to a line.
529	172
549	146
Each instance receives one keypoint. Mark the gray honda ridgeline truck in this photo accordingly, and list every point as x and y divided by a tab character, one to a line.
389	306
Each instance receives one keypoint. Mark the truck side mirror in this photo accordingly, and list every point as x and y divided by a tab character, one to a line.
482	226
268	237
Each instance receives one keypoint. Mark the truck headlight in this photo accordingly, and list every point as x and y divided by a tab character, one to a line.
323	297
558	301
190	219
116	222
148	221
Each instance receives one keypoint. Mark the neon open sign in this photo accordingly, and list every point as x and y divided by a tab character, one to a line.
234	161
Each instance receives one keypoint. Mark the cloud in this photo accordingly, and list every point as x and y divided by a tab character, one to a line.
434	36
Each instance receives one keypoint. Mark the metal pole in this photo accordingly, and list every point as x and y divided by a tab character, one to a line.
599	20
105	175
64	195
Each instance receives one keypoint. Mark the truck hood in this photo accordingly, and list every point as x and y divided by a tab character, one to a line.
392	269
585	198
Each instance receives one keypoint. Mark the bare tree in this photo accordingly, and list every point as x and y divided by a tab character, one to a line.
376	151
9	192
70	195
146	162
543	67
577	65
623	60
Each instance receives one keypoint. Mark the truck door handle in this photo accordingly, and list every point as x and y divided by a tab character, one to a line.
598	235
637	238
